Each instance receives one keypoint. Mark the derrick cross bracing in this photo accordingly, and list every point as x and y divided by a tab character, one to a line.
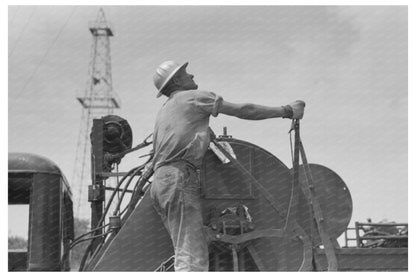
99	99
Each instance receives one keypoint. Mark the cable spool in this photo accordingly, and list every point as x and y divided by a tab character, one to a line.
334	198
222	187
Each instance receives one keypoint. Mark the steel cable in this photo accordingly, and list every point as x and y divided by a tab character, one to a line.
46	53
22	31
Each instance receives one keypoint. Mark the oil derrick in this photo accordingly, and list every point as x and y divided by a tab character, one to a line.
99	99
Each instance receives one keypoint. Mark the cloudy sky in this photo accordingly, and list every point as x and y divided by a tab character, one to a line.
349	64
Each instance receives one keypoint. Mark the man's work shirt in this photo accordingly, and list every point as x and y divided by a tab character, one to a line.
181	129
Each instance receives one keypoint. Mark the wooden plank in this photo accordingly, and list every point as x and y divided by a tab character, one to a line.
368	259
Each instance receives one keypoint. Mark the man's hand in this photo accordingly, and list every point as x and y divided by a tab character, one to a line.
298	108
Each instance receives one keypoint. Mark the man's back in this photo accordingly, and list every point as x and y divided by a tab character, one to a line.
181	129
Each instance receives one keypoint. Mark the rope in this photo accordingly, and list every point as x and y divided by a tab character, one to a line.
291	145
293	186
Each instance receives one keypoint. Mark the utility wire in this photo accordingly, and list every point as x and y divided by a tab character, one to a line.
22	31
14	16
46	53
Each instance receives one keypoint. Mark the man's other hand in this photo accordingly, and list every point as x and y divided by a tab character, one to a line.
298	107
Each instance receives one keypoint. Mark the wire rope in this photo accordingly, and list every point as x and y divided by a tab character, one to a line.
46	53
22	31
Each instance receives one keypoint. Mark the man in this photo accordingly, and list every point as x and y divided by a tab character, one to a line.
181	138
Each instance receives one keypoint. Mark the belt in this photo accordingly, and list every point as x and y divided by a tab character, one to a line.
191	165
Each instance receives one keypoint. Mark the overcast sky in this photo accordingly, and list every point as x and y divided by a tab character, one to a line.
349	64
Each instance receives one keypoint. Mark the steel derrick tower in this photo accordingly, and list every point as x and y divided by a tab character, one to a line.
99	99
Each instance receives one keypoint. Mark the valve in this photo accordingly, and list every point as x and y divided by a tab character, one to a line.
224	133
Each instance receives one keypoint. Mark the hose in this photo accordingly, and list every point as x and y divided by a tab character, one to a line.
92	231
140	168
84	258
90	238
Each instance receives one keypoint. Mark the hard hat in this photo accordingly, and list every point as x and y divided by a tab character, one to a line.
164	74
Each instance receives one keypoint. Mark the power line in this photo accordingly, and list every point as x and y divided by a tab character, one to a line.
22	31
14	16
47	52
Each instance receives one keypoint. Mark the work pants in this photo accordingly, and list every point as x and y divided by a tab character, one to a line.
175	192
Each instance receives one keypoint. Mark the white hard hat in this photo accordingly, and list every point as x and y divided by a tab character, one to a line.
164	74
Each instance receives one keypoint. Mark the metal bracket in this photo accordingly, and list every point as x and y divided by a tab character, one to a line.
96	193
245	237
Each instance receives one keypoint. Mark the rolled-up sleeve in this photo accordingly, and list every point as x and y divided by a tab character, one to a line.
208	102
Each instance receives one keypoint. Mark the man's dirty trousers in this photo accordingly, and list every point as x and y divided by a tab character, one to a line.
175	192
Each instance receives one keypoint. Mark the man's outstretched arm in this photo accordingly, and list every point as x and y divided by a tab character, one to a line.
258	112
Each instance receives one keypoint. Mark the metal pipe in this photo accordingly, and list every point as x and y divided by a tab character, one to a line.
381	224
383	237
112	189
235	258
346	238
357	234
